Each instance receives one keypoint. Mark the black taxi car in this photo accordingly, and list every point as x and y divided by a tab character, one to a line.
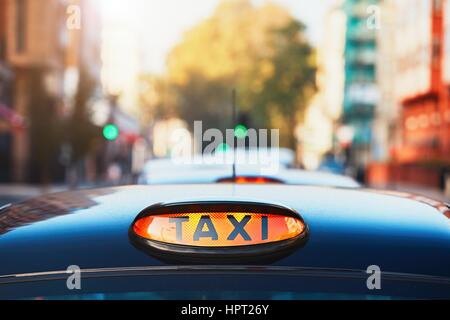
225	241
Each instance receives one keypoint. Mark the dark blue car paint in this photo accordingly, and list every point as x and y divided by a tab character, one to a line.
349	229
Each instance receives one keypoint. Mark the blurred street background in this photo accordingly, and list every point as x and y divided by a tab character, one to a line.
92	89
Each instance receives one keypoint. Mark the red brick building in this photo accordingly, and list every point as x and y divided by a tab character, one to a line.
423	115
422	154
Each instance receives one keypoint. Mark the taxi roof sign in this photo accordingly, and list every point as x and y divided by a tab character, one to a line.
218	229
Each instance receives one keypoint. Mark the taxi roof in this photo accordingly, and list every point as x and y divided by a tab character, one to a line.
349	228
207	174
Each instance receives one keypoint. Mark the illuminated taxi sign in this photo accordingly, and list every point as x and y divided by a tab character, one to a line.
218	228
250	180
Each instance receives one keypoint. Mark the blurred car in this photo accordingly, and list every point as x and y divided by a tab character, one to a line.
332	165
205	170
253	157
225	241
174	175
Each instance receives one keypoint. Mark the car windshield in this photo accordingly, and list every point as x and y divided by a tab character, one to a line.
226	286
214	295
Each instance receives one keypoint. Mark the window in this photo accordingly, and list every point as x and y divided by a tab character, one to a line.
436	52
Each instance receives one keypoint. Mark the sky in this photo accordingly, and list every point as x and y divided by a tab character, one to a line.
160	24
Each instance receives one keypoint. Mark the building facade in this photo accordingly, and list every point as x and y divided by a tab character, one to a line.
419	80
5	99
385	128
361	95
420	149
83	52
45	53
424	100
316	134
35	51
446	79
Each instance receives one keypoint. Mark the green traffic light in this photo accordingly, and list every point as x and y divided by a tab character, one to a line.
240	131
111	132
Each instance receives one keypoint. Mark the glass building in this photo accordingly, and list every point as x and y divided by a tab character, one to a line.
361	94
